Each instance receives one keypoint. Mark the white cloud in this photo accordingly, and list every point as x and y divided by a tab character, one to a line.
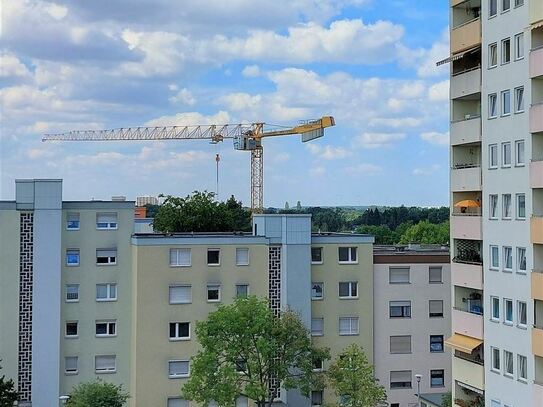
426	171
363	169
318	171
11	66
424	60
184	97
377	140
439	92
190	119
328	152
434	137
251	71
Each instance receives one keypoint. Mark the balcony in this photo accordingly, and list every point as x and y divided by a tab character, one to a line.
457	2
538	394
467	323
536	174
536	62
466	36
466	83
466	274
536	117
466	131
537	341
536	229
470	373
536	11
466	226
466	178
537	285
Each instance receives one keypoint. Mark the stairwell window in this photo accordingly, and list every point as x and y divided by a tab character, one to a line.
492	106
493	55
316	398
106	221
348	255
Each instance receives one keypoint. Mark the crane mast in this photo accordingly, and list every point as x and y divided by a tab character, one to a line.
246	137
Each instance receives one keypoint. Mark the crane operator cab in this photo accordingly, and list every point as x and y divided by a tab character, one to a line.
246	142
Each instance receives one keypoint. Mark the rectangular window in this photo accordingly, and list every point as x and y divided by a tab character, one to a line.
106	257
508	363
506	102
317	291
495	308
72	221
506	154
347	254
106	221
494	257
213	292
106	292
70	365
519	3
178	368
507	258
506	200
437	378
72	329
317	365
180	257
521	259
242	256
317	326
496	365
213	257
106	328
400	344
506	51
105	363
436	308
400	309
398	275
506	5
492	105
72	292
400	379
348	325
242	290
436	343
493	206
522	314
316	255
72	257
508	311
492	55
493	156
522	368
521	206
493	8
348	289
316	398
519	46
435	274
180	294
519	153
179	331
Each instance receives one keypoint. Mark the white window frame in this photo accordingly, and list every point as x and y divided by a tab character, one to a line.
504	54
107	225
435	386
71	372
493	206
178	375
520	153
495	356
506	104
177	337
522	305
351	250
400	352
520	376
491	2
212	286
519	3
508	356
321	250
442	341
246	290
494	255
73	217
495	301
521	253
520	100
492	55
354	328
109	369
66	329
518	206
430	281
504	8
111	292
178	258
403	304
492	105
506	209
506	148
207	256
111	260
519	46
184	286
507	250
506	321
242	263
493	156
442	308
108	324
351	284
316	332
73	252
317	284
76	286
316	404
391	269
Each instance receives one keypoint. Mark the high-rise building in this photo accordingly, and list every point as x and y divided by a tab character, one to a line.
146	200
496	132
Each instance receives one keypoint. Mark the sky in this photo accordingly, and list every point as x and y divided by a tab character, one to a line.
77	65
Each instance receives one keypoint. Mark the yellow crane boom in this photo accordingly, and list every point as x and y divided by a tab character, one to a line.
247	137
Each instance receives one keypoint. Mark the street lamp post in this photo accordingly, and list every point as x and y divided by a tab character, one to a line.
418	377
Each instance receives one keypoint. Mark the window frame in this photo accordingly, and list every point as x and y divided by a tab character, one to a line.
493	202
108	323
218	288
520	316
493	156
351	250
316	332
506	258
179	250
518	206
492	105
506	209
435	371
519	3
492	56
403	386
400	352
518	40
506	302
491	3
177	329
503	53
180	375
441	341
71	322
351	320
508	356
518	144
321	251
495	362
350	296
73	252
505	10
494	256
397	268
430	281
213	249
69	222
523	378
71	372
248	261
107	225
493	316
519	108
506	148
430	306
109	261
173	286
238	285
105	371
109	288
321	284
521	250
403	309
66	299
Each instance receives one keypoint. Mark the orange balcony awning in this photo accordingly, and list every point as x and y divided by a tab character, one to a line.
458	56
463	343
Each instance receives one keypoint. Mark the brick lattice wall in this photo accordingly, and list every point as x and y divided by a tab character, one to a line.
274	290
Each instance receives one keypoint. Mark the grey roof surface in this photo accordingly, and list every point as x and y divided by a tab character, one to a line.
434	398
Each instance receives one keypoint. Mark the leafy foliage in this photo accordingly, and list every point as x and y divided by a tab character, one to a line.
200	212
244	347
446	400
98	394
8	394
426	232
353	379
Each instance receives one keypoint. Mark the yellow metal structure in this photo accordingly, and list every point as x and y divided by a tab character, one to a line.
247	137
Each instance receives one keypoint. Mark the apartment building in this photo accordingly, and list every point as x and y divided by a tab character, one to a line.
412	319
497	200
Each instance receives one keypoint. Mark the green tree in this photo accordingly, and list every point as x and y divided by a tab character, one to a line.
353	380
97	394
382	233
426	233
8	394
244	348
446	400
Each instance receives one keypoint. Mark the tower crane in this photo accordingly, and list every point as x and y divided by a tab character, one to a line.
246	137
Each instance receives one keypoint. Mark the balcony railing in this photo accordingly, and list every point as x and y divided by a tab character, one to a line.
536	62
469	372
536	117
466	83
536	229
468	274
466	130
466	35
467	226
537	285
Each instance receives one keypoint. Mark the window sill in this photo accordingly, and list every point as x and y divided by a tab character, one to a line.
70	229
316	262
106	300
180	265
522	272
523	381
105	371
348	298
435	282
71	301
107	228
71	373
214	265
72	265
400	282
179	339
317	299
507	323
105	264
180	303
508	271
437	351
242	265
493	16
348	262
492	66
178	376
496	321
213	301
508	376
520	111
71	336
314	334
505	11
355	334
523	327
105	336
492	117
492	370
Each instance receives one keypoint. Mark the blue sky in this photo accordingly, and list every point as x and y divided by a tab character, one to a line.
104	63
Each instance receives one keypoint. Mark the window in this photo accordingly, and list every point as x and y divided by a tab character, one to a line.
508	363
398	275
495	308
519	3
437	378
400	309
72	329
521	259
436	343
506	154
493	206
508	311
348	325
317	326
519	46
347	254
436	308
506	5
72	221
105	363
72	292
179	331
106	256
435	274
521	310
180	294
180	257
507	258
178	368
519	153
400	379
70	365
400	344
495	359
492	55
106	328
348	289
317	291
316	398
492	105
494	257
242	290
72	257
317	365
213	292
316	255
522	368
521	206
106	292
493	8
213	257
493	156
242	256
106	221
177	402
506	51
506	102
506	200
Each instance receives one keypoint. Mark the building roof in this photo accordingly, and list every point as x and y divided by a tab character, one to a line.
411	254
434	398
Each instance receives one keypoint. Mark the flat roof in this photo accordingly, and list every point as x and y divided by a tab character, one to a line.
98	204
434	398
410	250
